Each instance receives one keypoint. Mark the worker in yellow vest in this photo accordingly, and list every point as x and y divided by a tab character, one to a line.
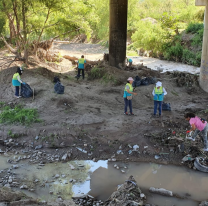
128	92
158	94
81	66
16	81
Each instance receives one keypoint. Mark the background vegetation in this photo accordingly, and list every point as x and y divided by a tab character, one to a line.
170	29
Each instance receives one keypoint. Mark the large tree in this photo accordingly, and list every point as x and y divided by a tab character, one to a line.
32	21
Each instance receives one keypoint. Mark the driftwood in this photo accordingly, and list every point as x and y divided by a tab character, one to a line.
49	56
74	59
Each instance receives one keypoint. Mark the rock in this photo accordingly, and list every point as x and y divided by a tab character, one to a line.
79	196
15	166
57	176
161	191
24	187
65	157
71	166
36	138
39	147
203	203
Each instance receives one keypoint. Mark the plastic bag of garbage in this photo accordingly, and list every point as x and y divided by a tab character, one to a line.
166	106
151	80
144	81
136	82
26	91
59	88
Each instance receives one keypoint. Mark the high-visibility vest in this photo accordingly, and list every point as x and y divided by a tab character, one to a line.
15	76
159	96
130	89
81	61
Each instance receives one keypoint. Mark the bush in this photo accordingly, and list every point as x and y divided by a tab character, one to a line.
194	27
198	38
191	58
96	73
174	52
18	115
149	36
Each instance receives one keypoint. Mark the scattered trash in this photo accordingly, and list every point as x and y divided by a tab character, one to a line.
187	158
82	150
119	152
161	191
145	147
135	147
157	157
201	164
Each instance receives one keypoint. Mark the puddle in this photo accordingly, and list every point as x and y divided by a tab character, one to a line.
68	183
3	163
188	183
101	179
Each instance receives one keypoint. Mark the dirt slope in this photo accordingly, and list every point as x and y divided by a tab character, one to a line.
91	112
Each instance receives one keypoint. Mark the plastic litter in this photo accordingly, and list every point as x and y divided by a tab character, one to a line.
135	147
59	88
157	157
166	106
187	158
26	91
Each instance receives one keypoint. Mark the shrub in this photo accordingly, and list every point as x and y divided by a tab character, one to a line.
174	52
198	38
191	58
194	27
18	115
96	73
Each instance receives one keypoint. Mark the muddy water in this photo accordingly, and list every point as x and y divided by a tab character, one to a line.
3	163
100	179
189	184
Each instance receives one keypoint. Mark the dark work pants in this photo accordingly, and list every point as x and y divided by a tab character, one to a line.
17	91
128	103
79	71
156	103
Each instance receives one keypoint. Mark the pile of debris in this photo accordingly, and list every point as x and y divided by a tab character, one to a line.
86	200
127	194
186	79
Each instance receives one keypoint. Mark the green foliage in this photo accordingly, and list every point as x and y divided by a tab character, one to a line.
168	21
191	58
149	36
96	73
194	27
18	115
198	38
13	135
174	52
109	78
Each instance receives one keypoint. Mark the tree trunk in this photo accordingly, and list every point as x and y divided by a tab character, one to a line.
25	41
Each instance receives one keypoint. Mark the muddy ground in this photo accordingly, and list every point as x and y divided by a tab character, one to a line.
90	114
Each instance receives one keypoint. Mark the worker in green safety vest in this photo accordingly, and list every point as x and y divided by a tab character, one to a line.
129	61
128	92
16	81
158	94
81	63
